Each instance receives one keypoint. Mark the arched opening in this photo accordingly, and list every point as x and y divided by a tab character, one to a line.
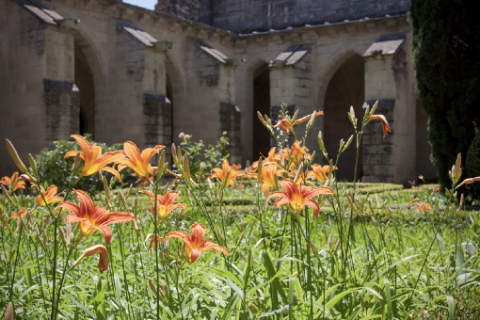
261	103
346	88
84	82
424	166
170	98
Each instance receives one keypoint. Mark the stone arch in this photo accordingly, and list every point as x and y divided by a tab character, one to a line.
245	99
175	91
345	88
262	104
90	80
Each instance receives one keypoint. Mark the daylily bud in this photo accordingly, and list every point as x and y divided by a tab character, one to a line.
174	153
186	167
342	144
348	143
152	287
299	171
167	250
13	153
241	237
260	168
313	247
161	161
162	257
5	192
68	234
461	200
179	154
337	246
103	261
33	163
129	191
62	233
330	242
9	312
123	201
220	193
105	187
135	225
260	117
210	184
19	224
321	144
374	108
202	167
164	289
310	122
45	238
271	242
295	116
76	163
189	197
175	254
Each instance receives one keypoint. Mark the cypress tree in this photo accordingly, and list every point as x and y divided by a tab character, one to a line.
446	59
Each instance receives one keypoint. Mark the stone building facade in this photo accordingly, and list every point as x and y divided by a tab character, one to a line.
202	67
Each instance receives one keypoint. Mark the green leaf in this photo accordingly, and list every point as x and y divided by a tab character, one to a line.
451	307
82	307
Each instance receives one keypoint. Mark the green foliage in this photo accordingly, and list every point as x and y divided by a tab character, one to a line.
203	160
56	169
446	47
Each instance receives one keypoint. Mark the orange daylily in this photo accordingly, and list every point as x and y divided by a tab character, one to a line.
13	183
269	173
152	244
298	196
21	213
287	125
27	178
103	261
49	196
165	203
422	206
93	217
385	126
271	157
321	173
195	243
227	174
296	153
139	162
94	160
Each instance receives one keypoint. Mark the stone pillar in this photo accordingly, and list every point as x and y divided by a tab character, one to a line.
211	86
61	96
389	79
291	83
141	112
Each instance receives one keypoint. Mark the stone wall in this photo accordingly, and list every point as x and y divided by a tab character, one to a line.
246	16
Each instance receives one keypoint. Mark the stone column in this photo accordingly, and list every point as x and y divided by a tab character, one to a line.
389	80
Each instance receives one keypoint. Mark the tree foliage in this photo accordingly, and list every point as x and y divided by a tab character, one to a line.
446	57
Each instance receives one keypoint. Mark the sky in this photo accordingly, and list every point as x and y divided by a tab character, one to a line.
149	4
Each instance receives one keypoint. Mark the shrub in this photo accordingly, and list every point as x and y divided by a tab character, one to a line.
52	165
446	46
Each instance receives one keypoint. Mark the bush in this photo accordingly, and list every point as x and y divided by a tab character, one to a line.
446	46
56	169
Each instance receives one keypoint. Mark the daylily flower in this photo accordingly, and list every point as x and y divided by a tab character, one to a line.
92	217
422	206
321	173
296	153
385	126
195	243
227	174
165	203
49	195
103	261
286	124
271	157
27	178
139	162
298	196
269	173
21	213
13	183
152	244
94	160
